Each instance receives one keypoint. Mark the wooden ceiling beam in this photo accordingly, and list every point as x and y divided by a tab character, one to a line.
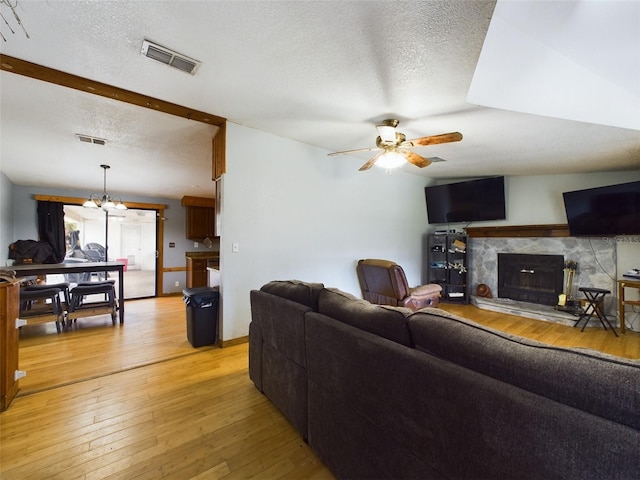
57	77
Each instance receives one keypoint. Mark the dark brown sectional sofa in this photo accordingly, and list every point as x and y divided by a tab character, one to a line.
381	392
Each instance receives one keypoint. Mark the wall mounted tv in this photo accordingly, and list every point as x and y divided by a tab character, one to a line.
604	211
470	201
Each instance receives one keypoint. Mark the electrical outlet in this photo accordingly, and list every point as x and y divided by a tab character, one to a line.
195	244
177	283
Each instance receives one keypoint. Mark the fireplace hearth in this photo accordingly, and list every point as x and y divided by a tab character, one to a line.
532	278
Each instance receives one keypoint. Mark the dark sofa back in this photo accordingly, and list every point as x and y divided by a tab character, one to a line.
305	293
387	321
381	410
591	381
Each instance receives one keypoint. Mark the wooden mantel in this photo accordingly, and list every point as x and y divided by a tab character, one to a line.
515	231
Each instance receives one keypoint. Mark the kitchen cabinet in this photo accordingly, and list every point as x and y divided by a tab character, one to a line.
9	311
197	267
201	218
201	223
196	272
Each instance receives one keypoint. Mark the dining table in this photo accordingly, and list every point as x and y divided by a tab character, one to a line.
38	269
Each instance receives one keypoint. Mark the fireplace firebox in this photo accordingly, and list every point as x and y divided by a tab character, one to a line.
530	278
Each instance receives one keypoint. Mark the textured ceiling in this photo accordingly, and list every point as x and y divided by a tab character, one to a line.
319	72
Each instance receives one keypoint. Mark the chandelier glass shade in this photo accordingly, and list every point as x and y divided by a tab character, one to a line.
104	201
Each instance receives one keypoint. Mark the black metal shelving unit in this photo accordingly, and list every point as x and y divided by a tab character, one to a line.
447	266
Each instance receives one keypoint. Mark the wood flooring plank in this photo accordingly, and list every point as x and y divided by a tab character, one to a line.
215	473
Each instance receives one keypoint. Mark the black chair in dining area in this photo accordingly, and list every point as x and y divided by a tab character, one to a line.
84	303
42	303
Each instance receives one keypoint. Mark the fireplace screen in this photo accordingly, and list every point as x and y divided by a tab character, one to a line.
530	278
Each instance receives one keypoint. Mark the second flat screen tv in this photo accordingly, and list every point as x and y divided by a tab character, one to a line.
604	211
471	201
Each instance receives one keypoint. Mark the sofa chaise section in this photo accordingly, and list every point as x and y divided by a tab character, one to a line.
277	359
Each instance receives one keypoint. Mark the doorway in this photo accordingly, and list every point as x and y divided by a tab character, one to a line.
128	236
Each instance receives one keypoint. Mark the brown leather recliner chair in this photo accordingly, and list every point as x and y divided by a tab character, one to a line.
384	283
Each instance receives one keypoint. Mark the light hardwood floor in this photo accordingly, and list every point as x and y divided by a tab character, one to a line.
137	401
595	338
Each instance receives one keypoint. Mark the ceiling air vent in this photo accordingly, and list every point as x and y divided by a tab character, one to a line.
169	57
89	139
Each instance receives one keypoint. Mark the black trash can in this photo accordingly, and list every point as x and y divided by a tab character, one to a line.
202	315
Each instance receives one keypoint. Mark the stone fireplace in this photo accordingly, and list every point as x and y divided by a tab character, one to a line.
530	278
595	257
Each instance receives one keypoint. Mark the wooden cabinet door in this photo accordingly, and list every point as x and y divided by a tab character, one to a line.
200	223
200	276
9	311
196	272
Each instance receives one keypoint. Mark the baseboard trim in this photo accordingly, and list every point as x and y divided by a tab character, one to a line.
233	341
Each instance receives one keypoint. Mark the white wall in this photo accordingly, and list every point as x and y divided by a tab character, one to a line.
6	217
296	213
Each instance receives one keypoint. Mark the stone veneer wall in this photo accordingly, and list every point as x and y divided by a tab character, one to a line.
596	259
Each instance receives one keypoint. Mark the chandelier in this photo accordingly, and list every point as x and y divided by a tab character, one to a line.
105	201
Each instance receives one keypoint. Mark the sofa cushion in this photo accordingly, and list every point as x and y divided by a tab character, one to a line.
386	321
601	384
305	293
281	323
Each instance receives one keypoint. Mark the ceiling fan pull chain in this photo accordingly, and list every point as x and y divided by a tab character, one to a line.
8	25
15	14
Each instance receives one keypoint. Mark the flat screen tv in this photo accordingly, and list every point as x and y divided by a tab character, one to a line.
604	211
470	201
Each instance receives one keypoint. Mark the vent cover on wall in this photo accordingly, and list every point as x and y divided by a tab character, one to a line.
89	139
169	57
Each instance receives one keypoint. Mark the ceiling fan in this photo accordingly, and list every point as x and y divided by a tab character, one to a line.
395	147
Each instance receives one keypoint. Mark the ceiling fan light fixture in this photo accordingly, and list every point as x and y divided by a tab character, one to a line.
390	160
387	133
395	148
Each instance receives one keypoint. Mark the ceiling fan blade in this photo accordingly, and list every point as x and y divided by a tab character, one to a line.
346	152
415	159
372	161
433	140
